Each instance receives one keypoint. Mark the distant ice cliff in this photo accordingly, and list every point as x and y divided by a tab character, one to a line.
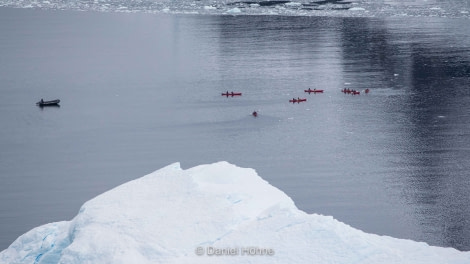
343	8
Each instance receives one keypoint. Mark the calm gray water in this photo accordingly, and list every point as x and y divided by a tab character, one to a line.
140	91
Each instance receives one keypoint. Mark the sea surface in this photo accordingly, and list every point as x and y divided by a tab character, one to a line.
140	90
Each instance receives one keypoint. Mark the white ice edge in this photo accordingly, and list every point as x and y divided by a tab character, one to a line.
170	214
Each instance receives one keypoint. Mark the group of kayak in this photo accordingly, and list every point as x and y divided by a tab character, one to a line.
298	99
353	92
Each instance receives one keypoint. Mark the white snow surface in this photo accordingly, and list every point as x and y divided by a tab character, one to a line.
228	212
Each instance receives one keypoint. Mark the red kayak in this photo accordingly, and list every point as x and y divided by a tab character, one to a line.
231	94
255	114
348	91
313	91
298	100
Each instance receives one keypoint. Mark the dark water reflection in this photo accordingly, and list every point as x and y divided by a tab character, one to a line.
435	64
440	117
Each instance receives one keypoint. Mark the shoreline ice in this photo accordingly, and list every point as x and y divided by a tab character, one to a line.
209	214
334	8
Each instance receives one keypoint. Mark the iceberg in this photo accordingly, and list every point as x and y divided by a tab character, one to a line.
215	213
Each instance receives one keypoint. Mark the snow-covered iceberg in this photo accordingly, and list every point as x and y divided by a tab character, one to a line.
217	213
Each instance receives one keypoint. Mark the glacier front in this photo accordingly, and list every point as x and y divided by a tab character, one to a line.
216	213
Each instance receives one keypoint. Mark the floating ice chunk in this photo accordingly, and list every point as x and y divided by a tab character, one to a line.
235	10
357	9
210	7
292	4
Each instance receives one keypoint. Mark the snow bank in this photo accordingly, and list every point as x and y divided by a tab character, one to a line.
216	213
